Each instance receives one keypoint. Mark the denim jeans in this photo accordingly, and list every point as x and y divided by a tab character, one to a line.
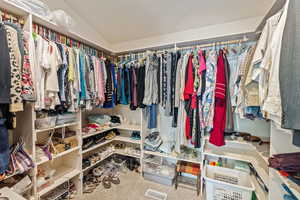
152	116
4	147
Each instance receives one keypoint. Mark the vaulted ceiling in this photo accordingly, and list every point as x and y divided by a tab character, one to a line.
125	20
122	21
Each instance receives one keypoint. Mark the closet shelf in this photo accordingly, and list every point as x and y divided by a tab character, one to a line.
126	139
260	193
230	151
12	7
96	146
120	152
99	161
9	6
60	194
292	186
128	127
64	176
263	150
121	127
45	159
97	132
172	157
109	155
117	138
56	127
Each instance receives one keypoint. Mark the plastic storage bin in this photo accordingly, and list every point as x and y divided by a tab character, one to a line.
223	183
162	174
44	123
165	180
66	118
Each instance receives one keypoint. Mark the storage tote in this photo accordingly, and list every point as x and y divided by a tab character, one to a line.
227	184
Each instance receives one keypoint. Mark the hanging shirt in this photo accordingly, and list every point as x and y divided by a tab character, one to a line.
272	104
208	99
261	58
151	85
16	101
188	93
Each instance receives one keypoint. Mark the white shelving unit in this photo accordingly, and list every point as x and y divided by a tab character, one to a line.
134	121
246	152
278	136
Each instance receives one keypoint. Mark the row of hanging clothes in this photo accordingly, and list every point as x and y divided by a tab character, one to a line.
70	76
201	89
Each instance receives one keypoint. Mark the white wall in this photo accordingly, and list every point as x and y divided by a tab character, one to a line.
259	128
219	30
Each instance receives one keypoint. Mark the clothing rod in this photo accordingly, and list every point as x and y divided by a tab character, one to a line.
252	36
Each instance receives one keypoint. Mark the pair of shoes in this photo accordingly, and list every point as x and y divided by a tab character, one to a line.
110	135
107	180
136	135
87	144
98	171
86	163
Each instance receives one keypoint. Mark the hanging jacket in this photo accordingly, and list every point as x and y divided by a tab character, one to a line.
217	133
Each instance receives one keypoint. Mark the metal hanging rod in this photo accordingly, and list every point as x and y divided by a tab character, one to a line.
219	41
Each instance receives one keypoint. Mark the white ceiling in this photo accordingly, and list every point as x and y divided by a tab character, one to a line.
126	20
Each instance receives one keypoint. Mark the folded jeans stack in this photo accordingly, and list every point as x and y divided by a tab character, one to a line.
153	141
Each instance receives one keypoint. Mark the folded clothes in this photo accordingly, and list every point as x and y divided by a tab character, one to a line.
153	141
99	119
288	162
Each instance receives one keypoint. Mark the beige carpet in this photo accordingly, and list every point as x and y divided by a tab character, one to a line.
133	187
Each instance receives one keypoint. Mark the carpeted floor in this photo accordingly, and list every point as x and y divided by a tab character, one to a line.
133	187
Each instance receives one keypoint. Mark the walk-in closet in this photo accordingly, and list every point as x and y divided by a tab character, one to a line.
149	100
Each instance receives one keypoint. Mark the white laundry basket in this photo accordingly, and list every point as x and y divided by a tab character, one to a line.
227	184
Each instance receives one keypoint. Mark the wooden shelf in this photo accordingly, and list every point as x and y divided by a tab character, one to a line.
45	159
63	176
56	127
117	138
172	157
291	185
99	161
260	193
121	152
96	146
127	127
97	132
126	139
115	152
121	127
15	9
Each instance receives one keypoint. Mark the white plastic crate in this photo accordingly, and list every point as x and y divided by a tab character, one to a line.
227	184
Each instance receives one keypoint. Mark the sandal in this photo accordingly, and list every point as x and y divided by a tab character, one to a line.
106	182
97	171
114	179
